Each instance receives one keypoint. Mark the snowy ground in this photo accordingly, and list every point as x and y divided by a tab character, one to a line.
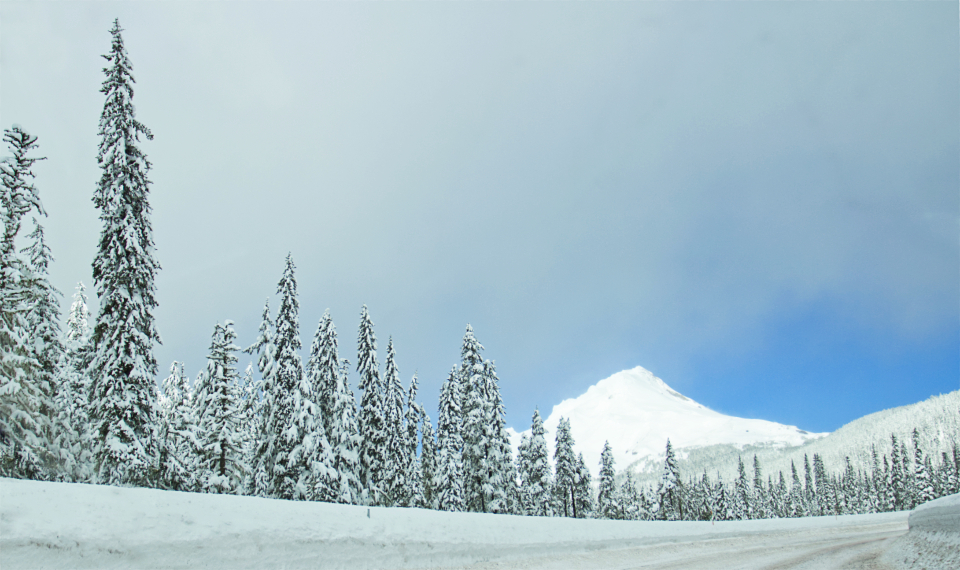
58	525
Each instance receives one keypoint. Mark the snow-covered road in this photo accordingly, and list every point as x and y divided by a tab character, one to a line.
61	525
858	546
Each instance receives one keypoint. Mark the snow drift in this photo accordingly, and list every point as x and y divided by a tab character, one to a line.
934	537
71	525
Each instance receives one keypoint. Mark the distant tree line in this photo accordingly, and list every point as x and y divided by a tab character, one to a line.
82	404
905	480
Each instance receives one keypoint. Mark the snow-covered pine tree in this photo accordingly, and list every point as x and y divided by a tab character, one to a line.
708	507
826	491
501	492
796	506
955	476
723	510
24	428
523	471
670	490
414	495
178	459
583	490
809	493
123	367
538	482
760	499
873	487
323	384
897	485
372	424
780	495
448	482
489	474
428	464
607	499
250	391
567	470
294	417
338	409
73	383
887	500
907	471
951	473
847	492
395	469
629	498
475	441
43	320
922	480
263	446
221	466
741	501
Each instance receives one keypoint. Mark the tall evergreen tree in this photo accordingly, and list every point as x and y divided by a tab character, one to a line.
250	390
396	486
293	415
178	442
922	477
741	500
221	466
608	505
414	494
124	269
670	490
778	497
724	508
43	319
826	490
25	399
537	483
263	449
629	499
489	474
322	369
583	490
428	464
796	504
338	409
501	490
448	482
907	472
475	442
372	425
809	493
898	488
760	498
567	469
74	385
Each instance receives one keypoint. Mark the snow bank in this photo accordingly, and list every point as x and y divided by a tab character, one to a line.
60	525
934	537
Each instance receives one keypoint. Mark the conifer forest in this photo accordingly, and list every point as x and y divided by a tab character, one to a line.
86	401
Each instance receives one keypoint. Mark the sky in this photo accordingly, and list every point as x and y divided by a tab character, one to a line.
758	202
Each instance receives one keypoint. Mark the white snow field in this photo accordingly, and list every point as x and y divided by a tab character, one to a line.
69	525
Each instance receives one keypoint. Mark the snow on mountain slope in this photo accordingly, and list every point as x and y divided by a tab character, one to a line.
937	420
636	412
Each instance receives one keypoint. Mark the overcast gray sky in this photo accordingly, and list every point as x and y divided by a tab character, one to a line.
756	201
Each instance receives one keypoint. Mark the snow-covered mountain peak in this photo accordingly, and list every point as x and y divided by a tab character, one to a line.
637	412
